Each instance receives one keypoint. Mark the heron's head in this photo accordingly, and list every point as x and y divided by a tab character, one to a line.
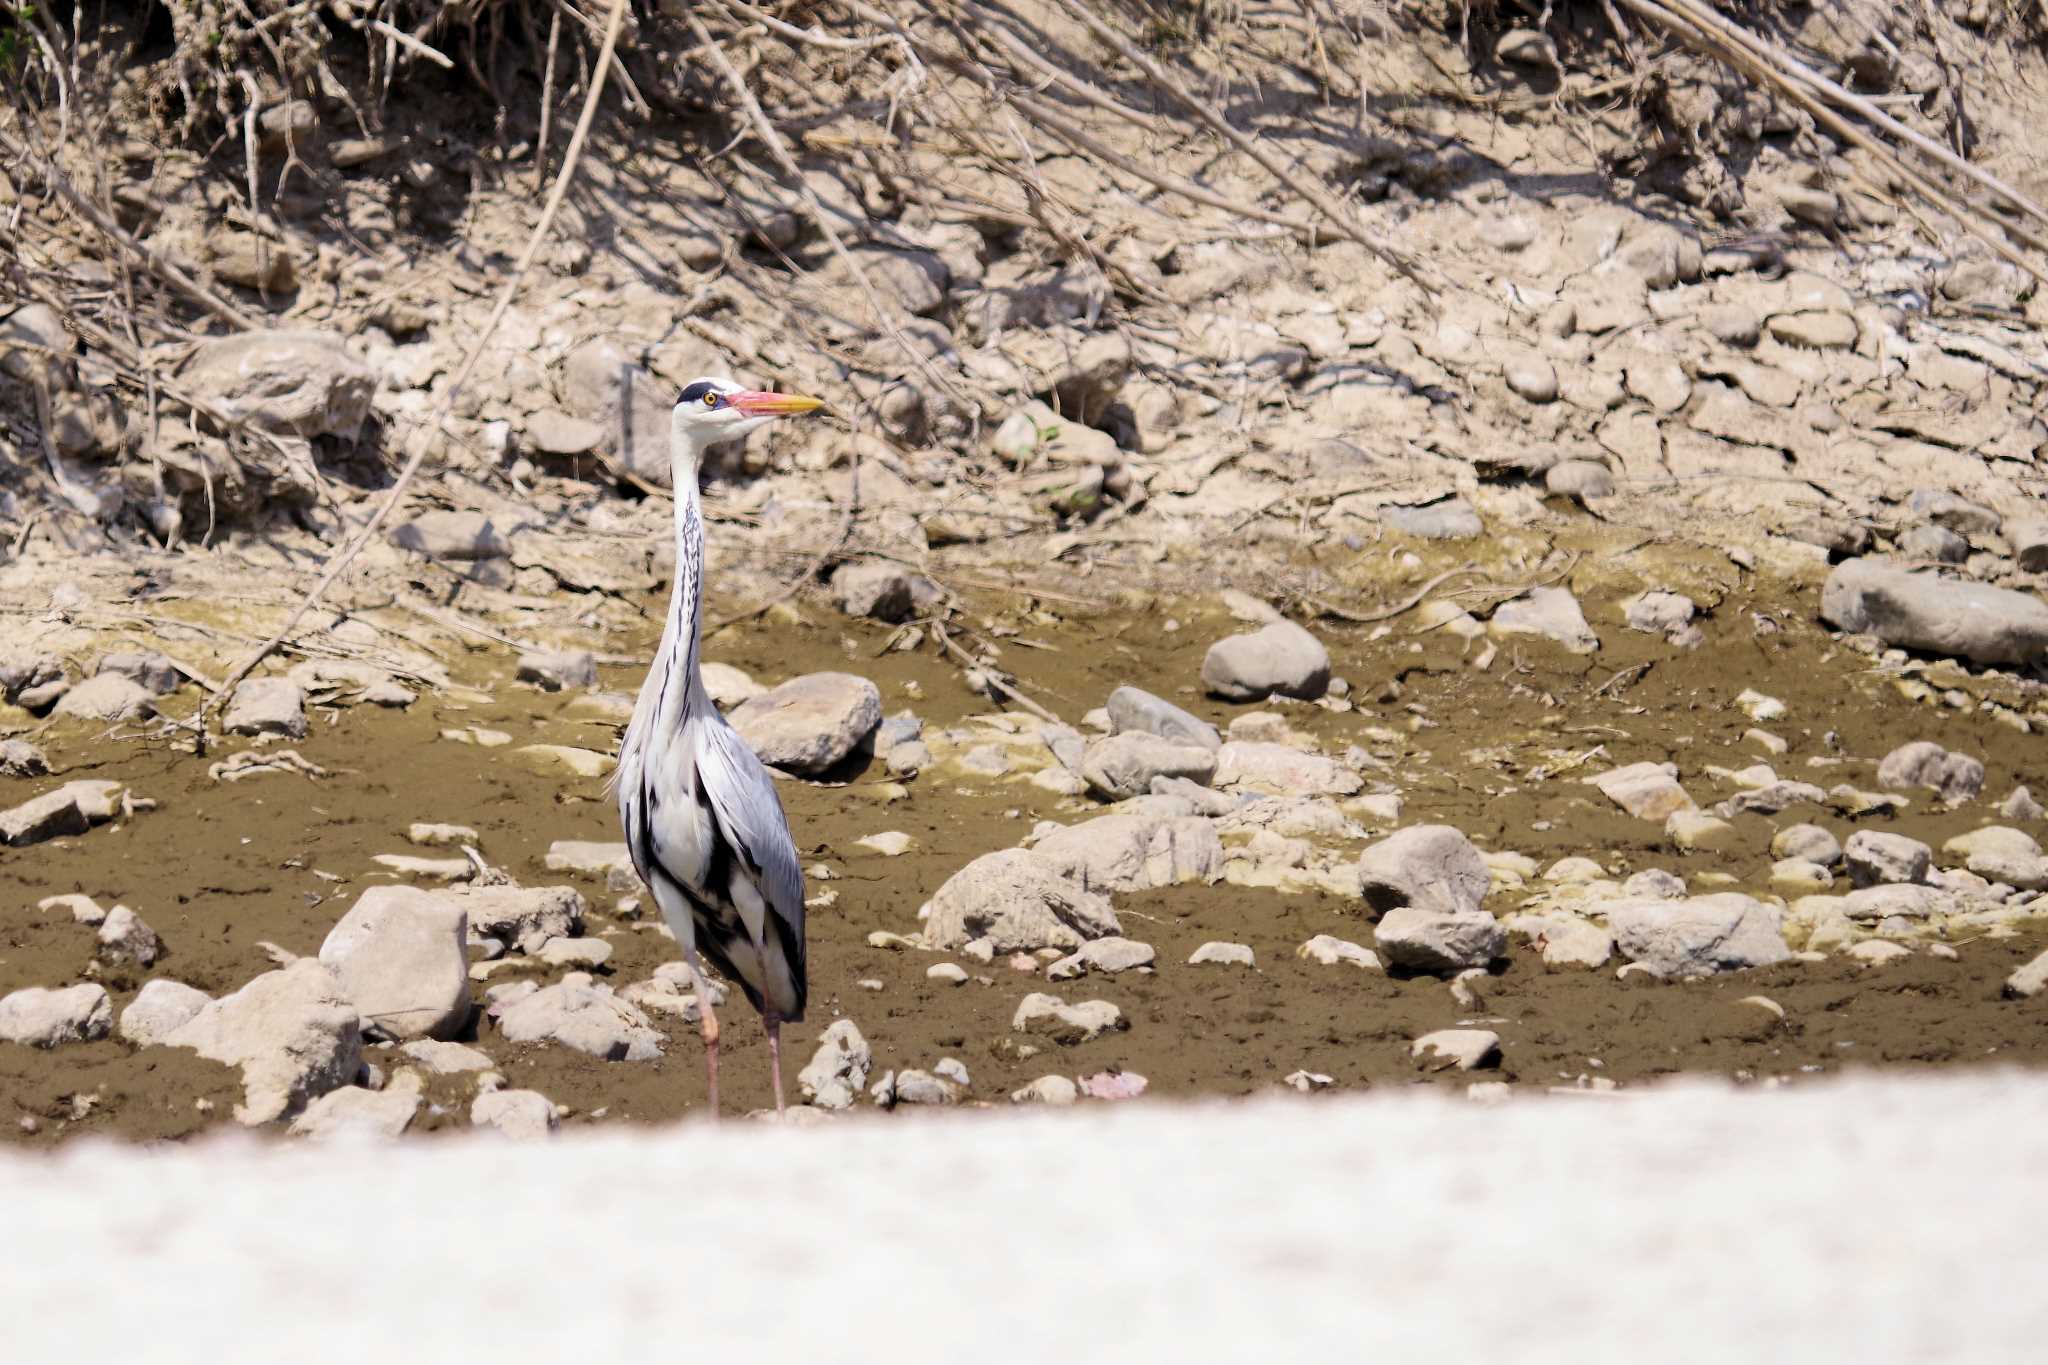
714	410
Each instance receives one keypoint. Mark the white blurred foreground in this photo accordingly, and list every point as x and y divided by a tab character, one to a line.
1898	1219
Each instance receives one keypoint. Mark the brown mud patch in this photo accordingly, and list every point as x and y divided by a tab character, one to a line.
219	869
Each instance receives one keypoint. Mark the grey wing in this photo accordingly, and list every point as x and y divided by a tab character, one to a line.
742	795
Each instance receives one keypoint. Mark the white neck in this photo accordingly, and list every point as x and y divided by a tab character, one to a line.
686	599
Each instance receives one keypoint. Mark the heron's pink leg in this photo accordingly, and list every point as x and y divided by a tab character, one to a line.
774	1026
707	1019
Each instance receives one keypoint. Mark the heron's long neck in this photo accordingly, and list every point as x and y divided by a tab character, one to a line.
686	601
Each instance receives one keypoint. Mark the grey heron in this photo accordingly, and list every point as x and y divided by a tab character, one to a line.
704	826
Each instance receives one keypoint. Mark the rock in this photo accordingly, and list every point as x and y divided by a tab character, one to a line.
1828	331
1433	867
1923	763
1581	479
1425	940
1936	543
1919	611
1054	1090
1552	613
890	843
1306	1081
1873	858
946	973
552	432
1329	951
303	384
1462	1049
1134	852
1446	519
555	759
123	937
922	1087
1106	955
909	758
590	858
1662	383
1876	951
557	670
267	706
1065	1024
149	670
1659	613
1282	770
1810	842
2029	541
1730	324
728	686
1960	515
400	955
458	537
1698	936
1133	710
1533	378
1124	765
524	918
810	724
446	1059
160	1009
575	952
2020	805
19	758
1567	941
2028	980
589	1017
1899	900
1277	658
601	383
1693	831
1526	47
1221	955
1648	791
1016	900
355	1112
106	697
52	815
523	1114
36	1016
838	1070
293	1032
1800	877
873	588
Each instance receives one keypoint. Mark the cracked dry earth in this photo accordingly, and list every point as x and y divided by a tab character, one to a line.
1439	725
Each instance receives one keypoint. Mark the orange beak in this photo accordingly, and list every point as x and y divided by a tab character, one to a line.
764	404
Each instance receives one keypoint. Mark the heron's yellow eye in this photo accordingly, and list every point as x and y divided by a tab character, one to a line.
710	400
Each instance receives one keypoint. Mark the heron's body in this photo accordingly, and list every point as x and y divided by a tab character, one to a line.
703	824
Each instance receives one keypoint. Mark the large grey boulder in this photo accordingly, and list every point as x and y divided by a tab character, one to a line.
810	724
522	917
1923	763
1433	867
1280	657
1430	940
353	1112
159	1009
1263	766
1016	899
1132	709
584	1014
1124	765
1552	613
294	383
1698	936
107	696
400	955
1942	616
294	1033
266	706
1134	852
39	1017
1874	858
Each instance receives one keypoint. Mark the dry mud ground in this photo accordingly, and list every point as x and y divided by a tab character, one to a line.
218	869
